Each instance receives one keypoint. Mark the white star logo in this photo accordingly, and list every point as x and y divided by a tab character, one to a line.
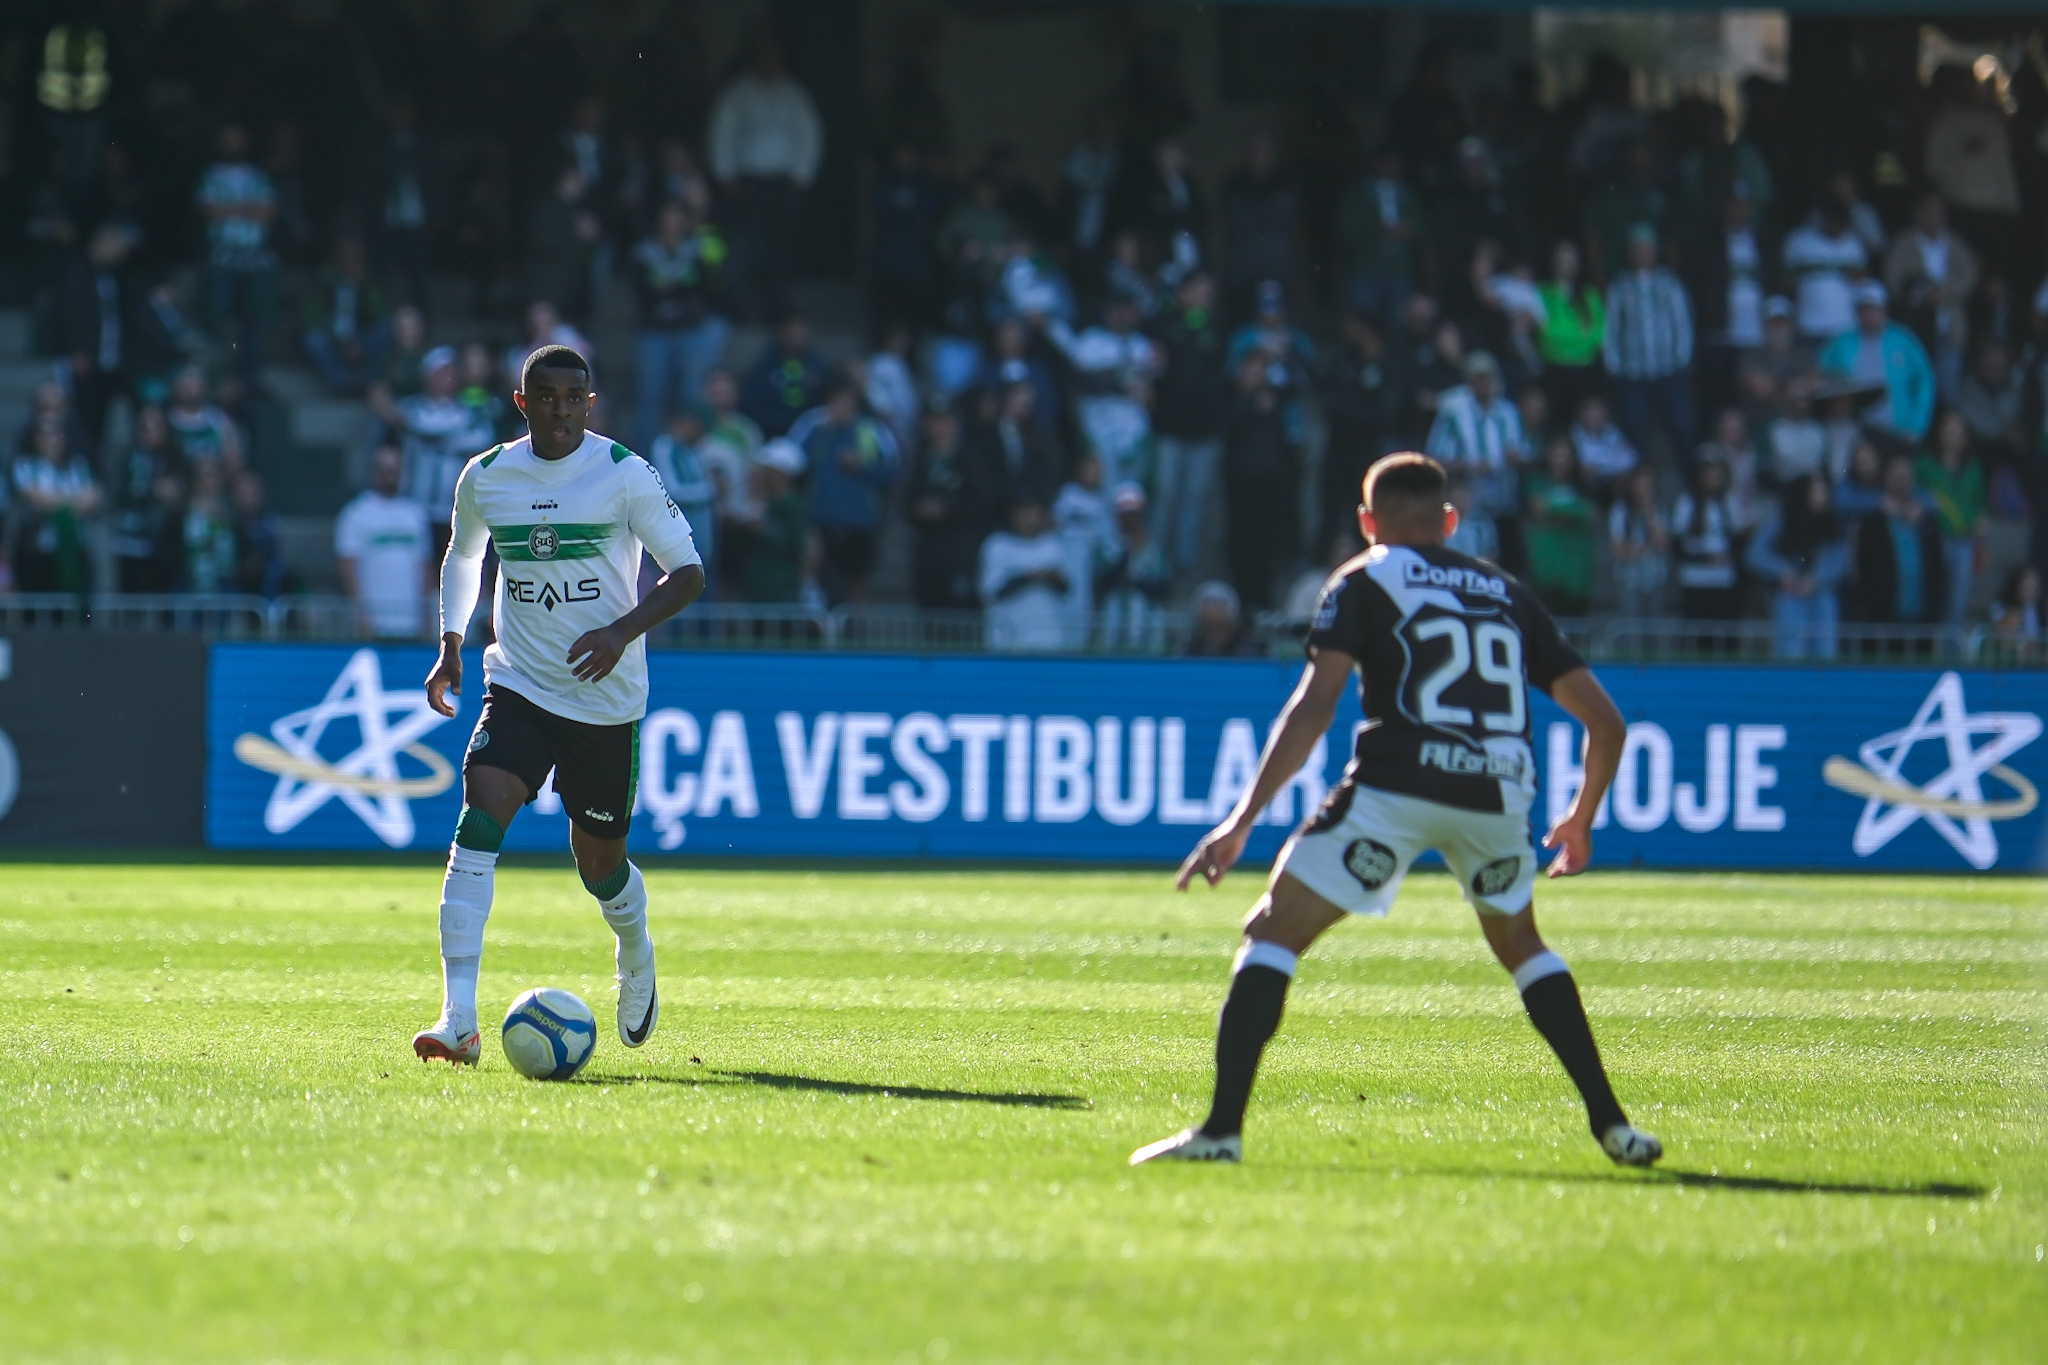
1953	801
367	780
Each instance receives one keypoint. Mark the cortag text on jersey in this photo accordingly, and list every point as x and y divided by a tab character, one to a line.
1421	572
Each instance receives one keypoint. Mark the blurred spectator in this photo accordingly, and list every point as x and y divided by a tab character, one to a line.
1969	159
1476	209
483	392
439	435
1362	409
401	377
1477	533
766	144
1169	213
1901	575
1727	287
1933	275
1860	490
1953	481
1880	351
1574	331
346	329
1305	594
1826	257
1429	357
1648	348
1992	399
1802	550
1731	445
787	381
1703	528
1015	195
238	203
1132	576
544	327
1839	398
1024	354
1260	220
209	531
1023	582
676	456
1384	232
1601	453
1620	207
2016	615
1086	526
776	541
1766	375
731	443
54	498
951	506
1261	469
1639	540
1087	180
889	387
1863	219
681	333
1018	457
1478	434
149	493
1191	398
1798	444
1114	364
104	326
1219	629
260	565
974	239
384	552
1558	525
903	270
408	180
201	431
852	460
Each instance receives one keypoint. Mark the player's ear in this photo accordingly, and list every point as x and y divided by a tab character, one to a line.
1367	527
519	401
1450	521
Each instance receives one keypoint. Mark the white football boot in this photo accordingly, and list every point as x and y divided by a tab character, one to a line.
1191	1144
1627	1145
445	1042
639	1005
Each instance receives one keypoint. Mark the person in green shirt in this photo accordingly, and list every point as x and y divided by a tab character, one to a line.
1558	525
1953	478
1574	328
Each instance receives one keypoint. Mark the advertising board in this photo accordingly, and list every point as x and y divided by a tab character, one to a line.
1127	761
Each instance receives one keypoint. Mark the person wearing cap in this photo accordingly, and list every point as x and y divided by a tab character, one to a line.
1478	433
1765	375
1133	576
1219	625
1880	351
438	433
1649	346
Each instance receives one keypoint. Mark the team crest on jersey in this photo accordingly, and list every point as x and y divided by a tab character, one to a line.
479	739
542	542
1497	877
1371	861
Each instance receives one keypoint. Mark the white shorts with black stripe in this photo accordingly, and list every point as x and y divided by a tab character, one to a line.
1357	848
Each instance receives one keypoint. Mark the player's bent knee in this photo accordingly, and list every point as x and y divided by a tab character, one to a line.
1290	916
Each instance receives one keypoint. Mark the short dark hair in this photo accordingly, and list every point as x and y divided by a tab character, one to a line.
554	358
1415	482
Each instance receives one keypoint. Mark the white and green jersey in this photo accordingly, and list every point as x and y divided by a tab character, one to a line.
568	534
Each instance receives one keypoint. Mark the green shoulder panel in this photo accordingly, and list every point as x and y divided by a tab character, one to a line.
493	453
621	454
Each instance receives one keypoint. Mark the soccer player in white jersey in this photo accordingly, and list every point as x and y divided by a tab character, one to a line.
1446	647
565	682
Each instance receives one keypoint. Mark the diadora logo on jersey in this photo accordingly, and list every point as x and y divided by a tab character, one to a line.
1422	574
542	542
549	506
551	595
599	814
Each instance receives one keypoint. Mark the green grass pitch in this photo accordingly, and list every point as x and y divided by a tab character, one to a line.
886	1116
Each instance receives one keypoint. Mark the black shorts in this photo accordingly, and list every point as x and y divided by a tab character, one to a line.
596	767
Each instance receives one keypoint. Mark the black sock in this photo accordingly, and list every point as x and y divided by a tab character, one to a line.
1250	1016
1554	1008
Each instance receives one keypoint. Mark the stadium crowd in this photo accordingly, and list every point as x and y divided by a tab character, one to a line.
1667	381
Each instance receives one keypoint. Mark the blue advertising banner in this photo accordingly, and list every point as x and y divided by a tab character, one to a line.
847	756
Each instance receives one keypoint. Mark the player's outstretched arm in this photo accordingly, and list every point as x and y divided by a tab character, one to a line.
596	652
1587	702
1304	720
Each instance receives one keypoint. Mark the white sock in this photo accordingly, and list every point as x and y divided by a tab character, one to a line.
465	908
626	913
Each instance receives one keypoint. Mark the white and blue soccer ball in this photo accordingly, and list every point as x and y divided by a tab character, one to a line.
549	1034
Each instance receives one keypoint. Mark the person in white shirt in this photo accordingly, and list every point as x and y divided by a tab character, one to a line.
1478	435
1117	364
766	143
1023	582
438	433
1081	514
385	552
1827	257
569	513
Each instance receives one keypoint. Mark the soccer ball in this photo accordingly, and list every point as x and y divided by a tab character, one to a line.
549	1034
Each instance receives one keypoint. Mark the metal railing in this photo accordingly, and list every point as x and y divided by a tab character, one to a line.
911	630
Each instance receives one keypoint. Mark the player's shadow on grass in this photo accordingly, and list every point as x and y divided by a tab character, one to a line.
776	1080
1761	1184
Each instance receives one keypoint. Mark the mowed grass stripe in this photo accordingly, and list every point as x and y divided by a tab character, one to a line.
886	1114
